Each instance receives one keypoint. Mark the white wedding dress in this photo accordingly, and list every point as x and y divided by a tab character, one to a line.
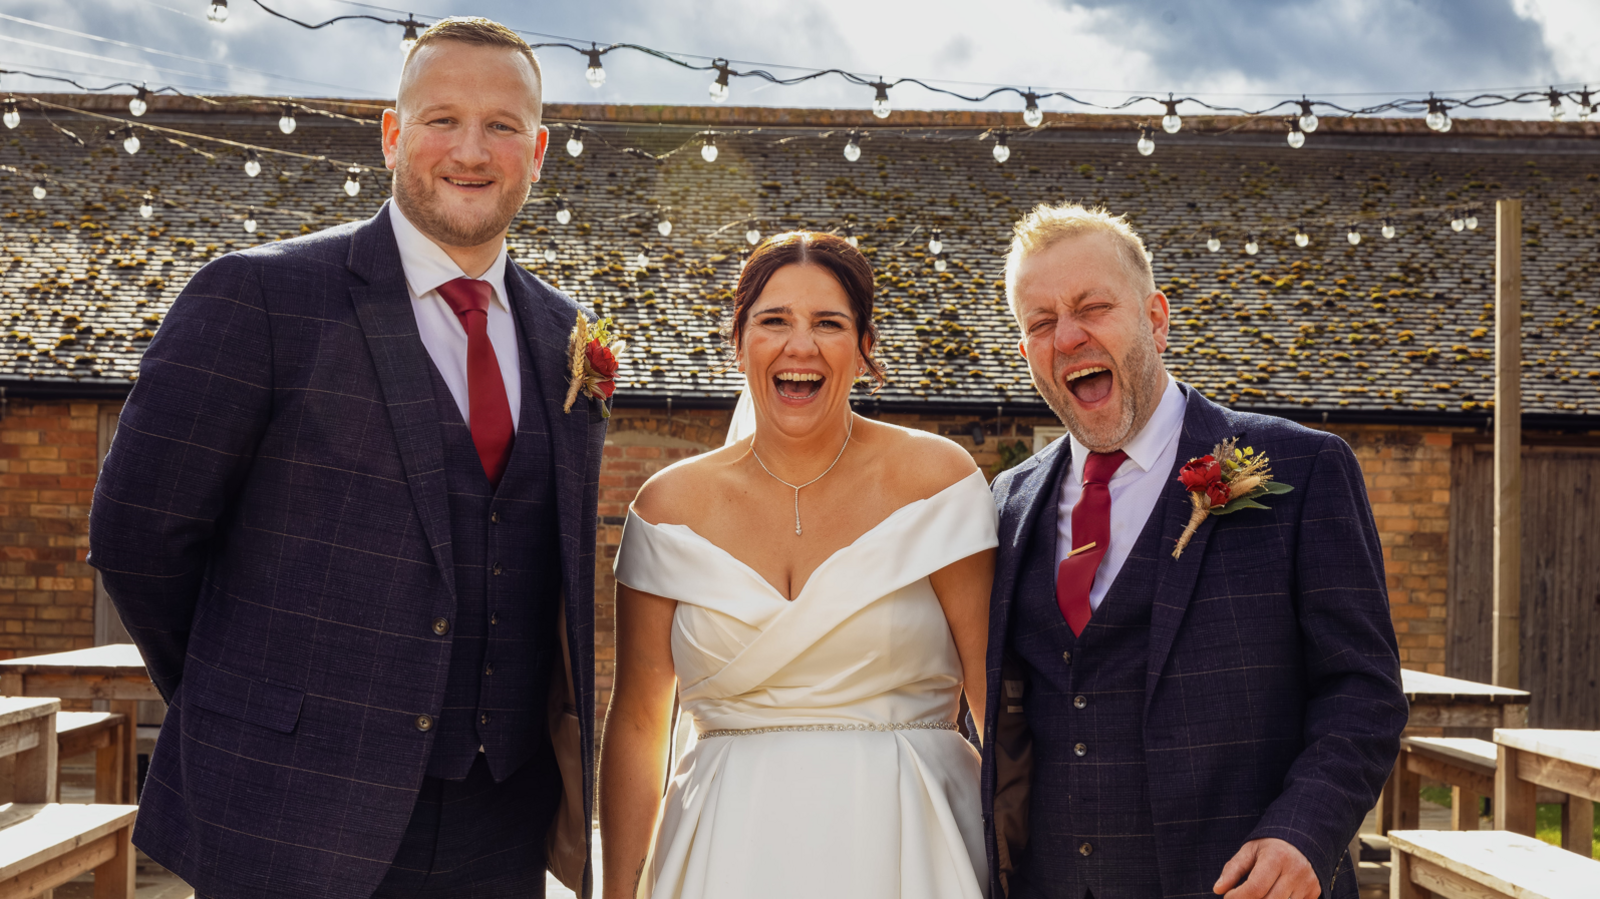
860	805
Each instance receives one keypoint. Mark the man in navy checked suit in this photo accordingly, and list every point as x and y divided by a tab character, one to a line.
1158	727
349	520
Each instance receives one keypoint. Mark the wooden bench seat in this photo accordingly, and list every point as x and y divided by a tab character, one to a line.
44	846
1487	864
78	733
1466	766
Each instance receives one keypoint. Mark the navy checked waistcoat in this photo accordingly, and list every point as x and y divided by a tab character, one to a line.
508	580
1087	692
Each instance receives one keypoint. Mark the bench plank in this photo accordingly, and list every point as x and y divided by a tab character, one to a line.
16	709
1463	751
34	833
1580	747
1497	863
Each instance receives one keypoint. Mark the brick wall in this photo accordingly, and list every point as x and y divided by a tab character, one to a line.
48	460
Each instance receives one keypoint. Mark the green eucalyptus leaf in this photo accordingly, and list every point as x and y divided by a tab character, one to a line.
1243	502
1276	487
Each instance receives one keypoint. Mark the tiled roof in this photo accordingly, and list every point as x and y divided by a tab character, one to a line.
1386	328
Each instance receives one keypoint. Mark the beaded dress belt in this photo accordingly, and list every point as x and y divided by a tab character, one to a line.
793	728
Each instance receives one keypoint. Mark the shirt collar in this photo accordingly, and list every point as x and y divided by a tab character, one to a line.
1145	449
427	265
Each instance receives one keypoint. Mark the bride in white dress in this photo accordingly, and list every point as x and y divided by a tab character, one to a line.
816	594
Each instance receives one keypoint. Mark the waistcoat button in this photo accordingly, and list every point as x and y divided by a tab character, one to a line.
496	568
1066	657
1079	702
424	723
488	667
441	626
483	719
494	617
1080	750
1085	849
494	517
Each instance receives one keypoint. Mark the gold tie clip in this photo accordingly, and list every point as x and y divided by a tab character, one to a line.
1084	548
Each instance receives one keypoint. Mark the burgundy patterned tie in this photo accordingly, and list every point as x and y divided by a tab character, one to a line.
492	431
1091	528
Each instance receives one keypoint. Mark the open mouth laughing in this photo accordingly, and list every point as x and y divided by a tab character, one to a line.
473	184
798	386
1090	384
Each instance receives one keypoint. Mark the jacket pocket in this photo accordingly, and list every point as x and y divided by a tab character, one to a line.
264	703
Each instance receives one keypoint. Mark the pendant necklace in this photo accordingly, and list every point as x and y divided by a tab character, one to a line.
850	427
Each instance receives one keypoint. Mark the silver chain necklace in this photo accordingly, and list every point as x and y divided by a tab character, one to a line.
849	428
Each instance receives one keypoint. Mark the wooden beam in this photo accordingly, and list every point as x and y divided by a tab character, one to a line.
1507	443
1515	800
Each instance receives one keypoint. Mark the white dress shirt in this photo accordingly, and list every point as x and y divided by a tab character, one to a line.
1135	488
426	267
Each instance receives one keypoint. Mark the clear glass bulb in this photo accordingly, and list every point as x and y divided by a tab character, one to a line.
1472	223
596	76
1001	153
1149	256
147	207
719	92
252	167
137	106
286	123
550	253
1308	122
13	118
852	150
250	225
1251	247
1458	224
1435	120
39	191
1213	244
574	146
1297	139
1172	124
1354	237
939	265
664	228
1585	111
1446	123
708	151
352	184
642	260
1302	239
218	12
853	240
406	43
935	246
1033	117
131	144
880	108
1556	112
752	237
1388	231
1146	145
564	216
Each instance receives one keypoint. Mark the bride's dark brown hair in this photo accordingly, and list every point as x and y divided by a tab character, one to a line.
826	251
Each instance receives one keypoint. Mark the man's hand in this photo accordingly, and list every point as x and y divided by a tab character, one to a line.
1270	869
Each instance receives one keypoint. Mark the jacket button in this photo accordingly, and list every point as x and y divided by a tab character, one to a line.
1085	849
1079	702
483	719
424	723
1080	750
441	626
494	517
1066	657
494	617
488	667
496	569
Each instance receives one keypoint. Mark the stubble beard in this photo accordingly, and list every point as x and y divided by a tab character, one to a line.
418	199
1138	380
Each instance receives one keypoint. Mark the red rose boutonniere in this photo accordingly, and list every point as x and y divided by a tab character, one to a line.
592	363
1227	480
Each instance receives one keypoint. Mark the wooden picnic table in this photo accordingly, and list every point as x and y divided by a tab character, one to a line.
114	672
1567	761
28	737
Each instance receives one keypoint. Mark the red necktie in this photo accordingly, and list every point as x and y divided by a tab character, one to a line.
486	387
1091	523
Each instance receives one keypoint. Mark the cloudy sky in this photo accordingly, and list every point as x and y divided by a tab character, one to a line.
1240	52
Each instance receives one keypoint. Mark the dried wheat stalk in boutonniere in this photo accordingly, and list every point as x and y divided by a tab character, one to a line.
592	355
1226	481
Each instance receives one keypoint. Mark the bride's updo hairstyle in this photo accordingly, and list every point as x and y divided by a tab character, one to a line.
827	251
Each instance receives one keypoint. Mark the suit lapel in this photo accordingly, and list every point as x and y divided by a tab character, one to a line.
1203	428
383	305
1026	509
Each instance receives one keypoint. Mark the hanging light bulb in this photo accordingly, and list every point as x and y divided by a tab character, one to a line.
1472	219
40	189
218	12
147	205
643	259
940	265
1149	255
744	258
1353	236
719	87
663	226
1308	119
575	143
1213	243
752	236
596	73
11	116
880	103
1458	223
252	162
130	140
550	252
1438	115
250	221
1031	114
409	39
850	235
936	242
563	214
1250	246
352	180
1554	96
1146	145
286	122
1171	122
138	104
1387	230
852	147
1001	151
1301	238
708	150
1585	104
1297	136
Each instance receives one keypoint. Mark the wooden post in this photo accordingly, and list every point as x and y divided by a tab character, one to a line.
1507	443
1515	800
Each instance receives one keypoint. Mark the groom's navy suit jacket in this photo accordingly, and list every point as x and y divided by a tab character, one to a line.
273	525
1272	705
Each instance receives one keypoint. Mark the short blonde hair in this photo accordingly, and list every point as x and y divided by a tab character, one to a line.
475	30
1047	225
